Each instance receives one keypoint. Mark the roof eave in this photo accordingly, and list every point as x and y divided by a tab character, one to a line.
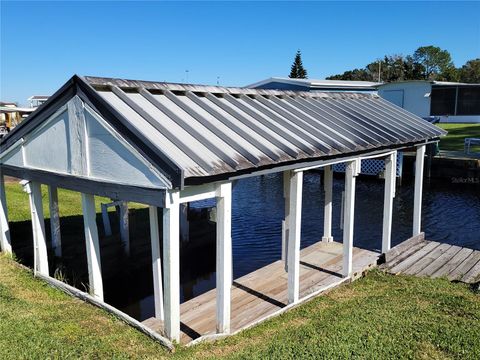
298	164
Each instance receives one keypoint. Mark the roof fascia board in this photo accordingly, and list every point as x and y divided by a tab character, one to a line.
453	85
342	88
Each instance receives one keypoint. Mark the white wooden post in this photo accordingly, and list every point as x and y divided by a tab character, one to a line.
93	246
124	227
171	264
348	220
296	182
224	256
327	219
285	222
5	242
417	200
34	191
390	178
156	263
107	229
54	220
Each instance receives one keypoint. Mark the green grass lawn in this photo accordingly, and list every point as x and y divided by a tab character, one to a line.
377	317
70	202
456	134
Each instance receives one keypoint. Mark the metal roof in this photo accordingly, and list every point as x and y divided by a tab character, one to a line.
38	97
4	109
316	83
209	131
213	130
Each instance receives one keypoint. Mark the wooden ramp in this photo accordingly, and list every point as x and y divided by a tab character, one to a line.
419	257
263	292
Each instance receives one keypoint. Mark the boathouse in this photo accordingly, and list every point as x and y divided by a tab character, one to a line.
164	145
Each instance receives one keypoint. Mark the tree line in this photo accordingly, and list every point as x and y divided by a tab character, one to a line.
426	63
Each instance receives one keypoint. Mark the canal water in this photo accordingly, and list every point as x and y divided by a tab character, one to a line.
451	214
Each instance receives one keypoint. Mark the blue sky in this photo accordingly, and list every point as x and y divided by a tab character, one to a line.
44	43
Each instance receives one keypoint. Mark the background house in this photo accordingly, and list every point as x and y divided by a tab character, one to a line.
37	100
450	101
279	83
11	115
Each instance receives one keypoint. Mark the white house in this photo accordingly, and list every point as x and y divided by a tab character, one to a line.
281	83
450	101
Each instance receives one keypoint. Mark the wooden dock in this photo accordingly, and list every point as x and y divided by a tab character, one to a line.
420	257
263	293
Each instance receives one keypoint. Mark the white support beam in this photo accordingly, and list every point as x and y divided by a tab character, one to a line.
5	242
285	222
417	200
328	188
54	220
224	256
197	192
93	246
171	264
294	227
156	263
124	227
390	177
34	191
349	213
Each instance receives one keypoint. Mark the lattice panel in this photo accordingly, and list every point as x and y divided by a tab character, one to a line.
373	166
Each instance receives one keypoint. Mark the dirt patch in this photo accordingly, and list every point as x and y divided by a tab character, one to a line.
428	351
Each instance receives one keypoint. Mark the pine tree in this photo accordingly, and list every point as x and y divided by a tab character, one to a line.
298	71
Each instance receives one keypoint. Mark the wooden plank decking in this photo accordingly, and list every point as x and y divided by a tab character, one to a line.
433	259
264	292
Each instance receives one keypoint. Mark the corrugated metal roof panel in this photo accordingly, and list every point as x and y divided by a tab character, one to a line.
210	130
156	137
264	145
